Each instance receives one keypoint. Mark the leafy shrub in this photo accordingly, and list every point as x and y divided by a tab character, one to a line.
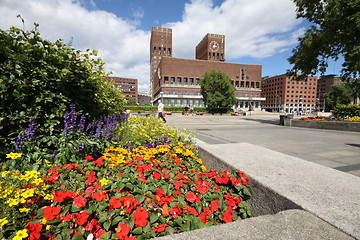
39	79
346	111
166	108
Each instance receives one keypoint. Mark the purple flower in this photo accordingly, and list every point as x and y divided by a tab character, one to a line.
80	147
30	131
149	145
67	124
166	139
81	124
18	142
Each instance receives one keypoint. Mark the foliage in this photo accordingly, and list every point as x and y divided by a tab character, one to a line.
79	137
335	25
346	111
340	94
166	108
131	102
353	119
128	193
139	130
39	78
217	91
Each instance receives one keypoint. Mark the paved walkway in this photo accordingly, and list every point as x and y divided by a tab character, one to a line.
335	149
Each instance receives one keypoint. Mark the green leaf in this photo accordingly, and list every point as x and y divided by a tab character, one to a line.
154	217
107	225
137	231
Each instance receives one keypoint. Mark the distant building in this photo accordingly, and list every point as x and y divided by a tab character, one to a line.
144	98
176	80
285	95
128	86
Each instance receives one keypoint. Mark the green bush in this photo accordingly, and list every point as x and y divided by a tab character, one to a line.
39	79
346	111
166	108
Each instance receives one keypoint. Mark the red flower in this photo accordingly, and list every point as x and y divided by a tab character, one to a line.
34	230
79	201
190	210
222	180
227	216
178	184
191	197
244	180
130	203
160	228
100	196
203	187
81	218
235	181
165	210
156	175
66	218
99	162
71	166
122	231
99	233
214	205
61	196
92	226
89	157
51	212
175	212
140	217
115	203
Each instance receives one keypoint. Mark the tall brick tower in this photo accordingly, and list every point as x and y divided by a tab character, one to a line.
160	45
211	47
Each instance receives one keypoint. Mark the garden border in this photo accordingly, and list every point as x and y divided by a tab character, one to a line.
330	125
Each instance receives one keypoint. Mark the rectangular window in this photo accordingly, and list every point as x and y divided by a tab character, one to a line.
179	80
185	80
179	92
191	81
197	81
172	80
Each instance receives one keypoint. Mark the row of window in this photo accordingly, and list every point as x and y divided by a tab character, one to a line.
166	92
292	100
160	50
182	81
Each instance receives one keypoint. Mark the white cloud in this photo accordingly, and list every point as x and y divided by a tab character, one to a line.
256	28
123	47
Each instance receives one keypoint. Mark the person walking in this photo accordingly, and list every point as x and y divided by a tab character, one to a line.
161	113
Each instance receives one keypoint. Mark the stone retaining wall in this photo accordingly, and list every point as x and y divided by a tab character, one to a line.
331	125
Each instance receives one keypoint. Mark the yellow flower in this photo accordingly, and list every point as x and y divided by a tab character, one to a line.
12	202
49	197
24	210
21	234
13	155
43	221
37	181
203	167
3	221
3	174
48	227
103	181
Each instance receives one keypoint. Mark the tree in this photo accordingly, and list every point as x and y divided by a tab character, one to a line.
40	79
335	32
340	94
217	91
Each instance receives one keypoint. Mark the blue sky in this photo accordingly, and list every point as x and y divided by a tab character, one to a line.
256	32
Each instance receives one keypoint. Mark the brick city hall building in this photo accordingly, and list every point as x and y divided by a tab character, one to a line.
176	80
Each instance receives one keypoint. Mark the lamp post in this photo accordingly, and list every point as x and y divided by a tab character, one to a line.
162	96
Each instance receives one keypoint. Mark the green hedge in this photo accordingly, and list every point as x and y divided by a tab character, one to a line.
346	111
166	109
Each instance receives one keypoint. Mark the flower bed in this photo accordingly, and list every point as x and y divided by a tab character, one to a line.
139	192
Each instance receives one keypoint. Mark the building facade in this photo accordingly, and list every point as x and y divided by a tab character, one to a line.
286	95
128	86
144	98
176	80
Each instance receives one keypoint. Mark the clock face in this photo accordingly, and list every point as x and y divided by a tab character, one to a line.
214	45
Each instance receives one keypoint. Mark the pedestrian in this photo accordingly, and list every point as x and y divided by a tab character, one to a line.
161	113
191	110
186	110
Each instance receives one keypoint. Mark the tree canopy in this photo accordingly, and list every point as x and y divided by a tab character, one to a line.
40	79
335	32
217	91
340	94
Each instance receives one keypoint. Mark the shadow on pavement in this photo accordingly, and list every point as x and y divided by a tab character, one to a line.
266	121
